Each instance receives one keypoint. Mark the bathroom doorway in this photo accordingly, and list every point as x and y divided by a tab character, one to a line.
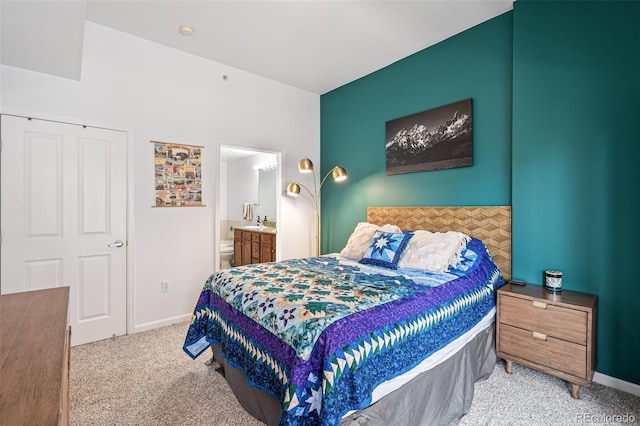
248	189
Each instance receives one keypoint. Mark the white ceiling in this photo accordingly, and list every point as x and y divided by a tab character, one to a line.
43	36
313	45
231	153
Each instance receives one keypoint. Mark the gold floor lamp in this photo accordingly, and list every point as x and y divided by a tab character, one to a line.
306	166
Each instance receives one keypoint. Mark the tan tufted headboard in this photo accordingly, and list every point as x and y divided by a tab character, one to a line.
491	225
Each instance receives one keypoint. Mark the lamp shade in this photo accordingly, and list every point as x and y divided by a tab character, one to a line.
339	174
293	189
305	165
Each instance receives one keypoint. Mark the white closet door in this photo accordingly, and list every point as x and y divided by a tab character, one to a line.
63	211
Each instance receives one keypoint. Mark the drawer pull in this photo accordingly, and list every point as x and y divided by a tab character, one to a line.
540	305
538	336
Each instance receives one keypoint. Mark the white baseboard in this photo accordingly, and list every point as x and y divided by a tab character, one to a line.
612	382
156	324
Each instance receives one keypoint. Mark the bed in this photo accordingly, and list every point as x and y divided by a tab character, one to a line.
330	340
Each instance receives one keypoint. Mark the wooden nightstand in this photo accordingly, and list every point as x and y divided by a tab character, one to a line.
550	332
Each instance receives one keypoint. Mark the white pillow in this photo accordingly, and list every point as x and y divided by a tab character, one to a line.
361	238
433	251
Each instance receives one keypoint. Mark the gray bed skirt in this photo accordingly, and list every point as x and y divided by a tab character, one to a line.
439	396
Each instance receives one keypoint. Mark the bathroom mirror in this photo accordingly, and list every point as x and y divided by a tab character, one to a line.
267	191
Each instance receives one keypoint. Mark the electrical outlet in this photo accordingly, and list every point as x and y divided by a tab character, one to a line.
165	286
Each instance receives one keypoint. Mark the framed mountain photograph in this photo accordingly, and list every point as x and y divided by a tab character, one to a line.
436	139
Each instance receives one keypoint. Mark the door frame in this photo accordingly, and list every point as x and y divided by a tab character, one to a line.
129	186
279	154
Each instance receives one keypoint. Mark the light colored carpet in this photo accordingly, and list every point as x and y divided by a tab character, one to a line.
147	379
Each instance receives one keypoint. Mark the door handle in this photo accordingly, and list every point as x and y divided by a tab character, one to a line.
118	243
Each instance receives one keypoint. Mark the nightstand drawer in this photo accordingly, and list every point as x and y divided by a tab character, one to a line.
553	353
535	315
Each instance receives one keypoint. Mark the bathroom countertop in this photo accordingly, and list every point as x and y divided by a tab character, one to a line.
254	228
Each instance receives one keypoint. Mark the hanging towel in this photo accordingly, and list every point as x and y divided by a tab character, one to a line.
247	211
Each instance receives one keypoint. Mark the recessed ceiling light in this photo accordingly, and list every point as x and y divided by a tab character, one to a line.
185	30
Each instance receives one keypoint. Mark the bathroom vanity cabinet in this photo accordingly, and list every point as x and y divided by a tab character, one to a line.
267	247
253	246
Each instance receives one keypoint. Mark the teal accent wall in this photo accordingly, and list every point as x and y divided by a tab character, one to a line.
475	64
576	160
556	91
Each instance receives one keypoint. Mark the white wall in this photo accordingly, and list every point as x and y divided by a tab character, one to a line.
158	93
223	205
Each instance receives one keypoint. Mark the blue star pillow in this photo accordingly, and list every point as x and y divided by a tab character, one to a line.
386	248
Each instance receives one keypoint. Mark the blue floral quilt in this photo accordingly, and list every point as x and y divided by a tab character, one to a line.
321	333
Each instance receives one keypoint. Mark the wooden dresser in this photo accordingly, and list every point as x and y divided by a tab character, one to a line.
34	358
551	332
